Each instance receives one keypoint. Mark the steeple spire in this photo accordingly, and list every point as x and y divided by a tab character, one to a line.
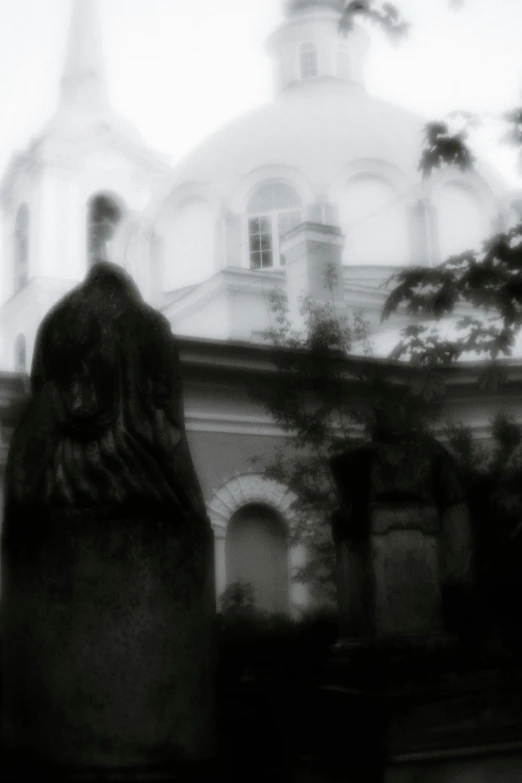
83	85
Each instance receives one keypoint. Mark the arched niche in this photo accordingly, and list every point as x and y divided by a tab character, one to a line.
375	221
230	504
462	219
105	212
256	553
187	236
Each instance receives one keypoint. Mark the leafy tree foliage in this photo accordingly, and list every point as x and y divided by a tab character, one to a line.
325	407
324	410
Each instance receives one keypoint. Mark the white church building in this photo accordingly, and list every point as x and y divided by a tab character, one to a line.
325	173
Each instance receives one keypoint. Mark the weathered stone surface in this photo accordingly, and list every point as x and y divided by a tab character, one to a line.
406	574
402	535
107	605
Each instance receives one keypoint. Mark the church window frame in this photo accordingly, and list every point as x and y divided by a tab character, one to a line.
273	209
102	225
308	60
21	247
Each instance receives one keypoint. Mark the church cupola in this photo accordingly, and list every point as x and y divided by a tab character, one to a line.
308	46
83	84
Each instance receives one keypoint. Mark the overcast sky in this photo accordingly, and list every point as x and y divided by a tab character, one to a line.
179	69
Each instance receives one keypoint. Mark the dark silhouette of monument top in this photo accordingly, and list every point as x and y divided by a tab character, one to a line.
105	423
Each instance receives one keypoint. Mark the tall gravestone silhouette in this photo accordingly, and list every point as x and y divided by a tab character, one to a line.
404	542
107	605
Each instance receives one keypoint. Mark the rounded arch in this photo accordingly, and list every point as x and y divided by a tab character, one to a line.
105	211
464	210
242	192
376	218
173	196
20	354
469	181
247	490
403	183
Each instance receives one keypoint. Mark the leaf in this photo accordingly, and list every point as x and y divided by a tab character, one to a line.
444	148
386	16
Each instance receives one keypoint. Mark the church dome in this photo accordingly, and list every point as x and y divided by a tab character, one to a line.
318	131
323	151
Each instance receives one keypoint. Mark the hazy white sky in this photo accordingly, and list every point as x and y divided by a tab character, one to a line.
179	69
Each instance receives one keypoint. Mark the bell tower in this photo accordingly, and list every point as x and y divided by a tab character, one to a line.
62	198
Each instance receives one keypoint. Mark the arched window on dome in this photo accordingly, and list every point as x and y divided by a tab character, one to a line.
273	210
375	221
21	248
103	215
308	60
20	354
461	219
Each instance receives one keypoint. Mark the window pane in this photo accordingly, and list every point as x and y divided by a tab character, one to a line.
255	242
255	260
266	242
267	259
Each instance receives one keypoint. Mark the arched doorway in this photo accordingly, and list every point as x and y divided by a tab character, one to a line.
256	552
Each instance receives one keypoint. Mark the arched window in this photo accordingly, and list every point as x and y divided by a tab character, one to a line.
274	209
308	58
256	553
103	215
21	249
20	354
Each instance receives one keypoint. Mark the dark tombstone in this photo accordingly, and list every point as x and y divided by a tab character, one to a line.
403	539
107	605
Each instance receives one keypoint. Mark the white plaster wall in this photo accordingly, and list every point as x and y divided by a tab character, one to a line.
210	319
189	237
374	219
462	219
249	313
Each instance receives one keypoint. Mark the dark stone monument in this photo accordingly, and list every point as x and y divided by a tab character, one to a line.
107	605
403	539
